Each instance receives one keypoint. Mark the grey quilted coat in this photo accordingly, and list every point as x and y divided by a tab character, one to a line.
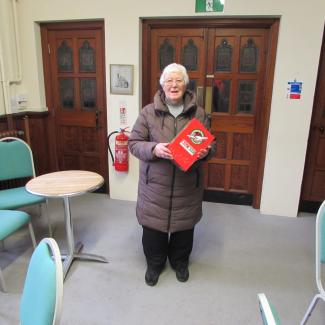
169	199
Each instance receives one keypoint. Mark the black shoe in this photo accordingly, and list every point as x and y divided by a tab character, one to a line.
151	277
182	274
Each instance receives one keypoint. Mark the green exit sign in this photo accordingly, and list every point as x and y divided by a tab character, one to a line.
209	5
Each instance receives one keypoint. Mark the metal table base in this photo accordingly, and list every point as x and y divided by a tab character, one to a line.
74	250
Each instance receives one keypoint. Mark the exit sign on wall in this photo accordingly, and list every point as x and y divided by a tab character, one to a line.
209	5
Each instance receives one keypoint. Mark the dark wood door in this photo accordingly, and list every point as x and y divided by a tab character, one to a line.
234	98
227	68
313	188
75	78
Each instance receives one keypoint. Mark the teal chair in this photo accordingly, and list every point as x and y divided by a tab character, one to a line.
11	221
16	162
268	312
320	259
42	296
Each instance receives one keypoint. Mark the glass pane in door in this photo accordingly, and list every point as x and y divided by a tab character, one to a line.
190	56
64	58
249	57
223	56
166	54
220	95
87	58
87	93
246	96
66	91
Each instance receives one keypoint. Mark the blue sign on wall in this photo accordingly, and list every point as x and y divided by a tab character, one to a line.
294	89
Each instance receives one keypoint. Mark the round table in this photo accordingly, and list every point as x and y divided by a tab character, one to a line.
65	184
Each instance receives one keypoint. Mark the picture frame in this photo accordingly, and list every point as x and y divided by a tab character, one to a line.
121	79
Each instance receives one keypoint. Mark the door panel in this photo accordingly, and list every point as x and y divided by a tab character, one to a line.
236	79
77	93
227	63
313	188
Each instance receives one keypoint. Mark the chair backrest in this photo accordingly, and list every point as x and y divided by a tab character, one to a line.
320	246
43	290
16	159
268	312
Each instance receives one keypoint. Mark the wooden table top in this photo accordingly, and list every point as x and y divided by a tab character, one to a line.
65	183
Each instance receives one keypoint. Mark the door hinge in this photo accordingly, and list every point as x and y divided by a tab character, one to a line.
48	46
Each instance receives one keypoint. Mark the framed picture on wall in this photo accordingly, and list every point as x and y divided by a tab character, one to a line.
121	79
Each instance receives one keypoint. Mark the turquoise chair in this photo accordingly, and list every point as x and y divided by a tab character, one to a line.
268	312
16	162
320	259
42	296
11	221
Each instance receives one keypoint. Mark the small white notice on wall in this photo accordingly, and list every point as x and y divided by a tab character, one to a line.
294	89
123	113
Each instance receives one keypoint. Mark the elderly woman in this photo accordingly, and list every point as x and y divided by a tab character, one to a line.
169	200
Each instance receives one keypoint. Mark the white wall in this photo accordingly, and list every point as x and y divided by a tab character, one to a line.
299	43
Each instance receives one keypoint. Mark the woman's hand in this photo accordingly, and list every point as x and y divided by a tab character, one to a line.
203	152
161	150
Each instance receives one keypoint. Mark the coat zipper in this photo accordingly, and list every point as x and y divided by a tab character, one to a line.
147	174
172	185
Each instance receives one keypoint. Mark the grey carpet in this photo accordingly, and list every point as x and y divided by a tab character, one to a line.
237	253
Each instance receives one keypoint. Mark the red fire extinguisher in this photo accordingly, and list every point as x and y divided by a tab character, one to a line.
121	161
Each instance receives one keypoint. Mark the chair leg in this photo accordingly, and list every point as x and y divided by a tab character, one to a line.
32	234
311	308
2	282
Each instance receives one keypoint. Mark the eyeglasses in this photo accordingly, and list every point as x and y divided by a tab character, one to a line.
170	82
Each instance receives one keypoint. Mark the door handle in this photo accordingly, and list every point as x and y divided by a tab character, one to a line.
98	111
319	127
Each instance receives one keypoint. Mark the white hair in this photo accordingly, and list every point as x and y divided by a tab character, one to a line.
174	67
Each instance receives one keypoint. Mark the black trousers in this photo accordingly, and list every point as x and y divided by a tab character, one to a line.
158	245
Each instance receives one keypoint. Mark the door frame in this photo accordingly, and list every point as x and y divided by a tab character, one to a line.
304	204
51	126
272	24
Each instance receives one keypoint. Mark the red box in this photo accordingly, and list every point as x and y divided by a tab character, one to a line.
188	143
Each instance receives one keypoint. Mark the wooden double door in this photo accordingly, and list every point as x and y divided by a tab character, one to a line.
230	65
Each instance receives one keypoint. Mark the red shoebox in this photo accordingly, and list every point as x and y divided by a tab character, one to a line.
188	143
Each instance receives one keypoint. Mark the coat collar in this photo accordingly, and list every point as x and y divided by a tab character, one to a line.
160	101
